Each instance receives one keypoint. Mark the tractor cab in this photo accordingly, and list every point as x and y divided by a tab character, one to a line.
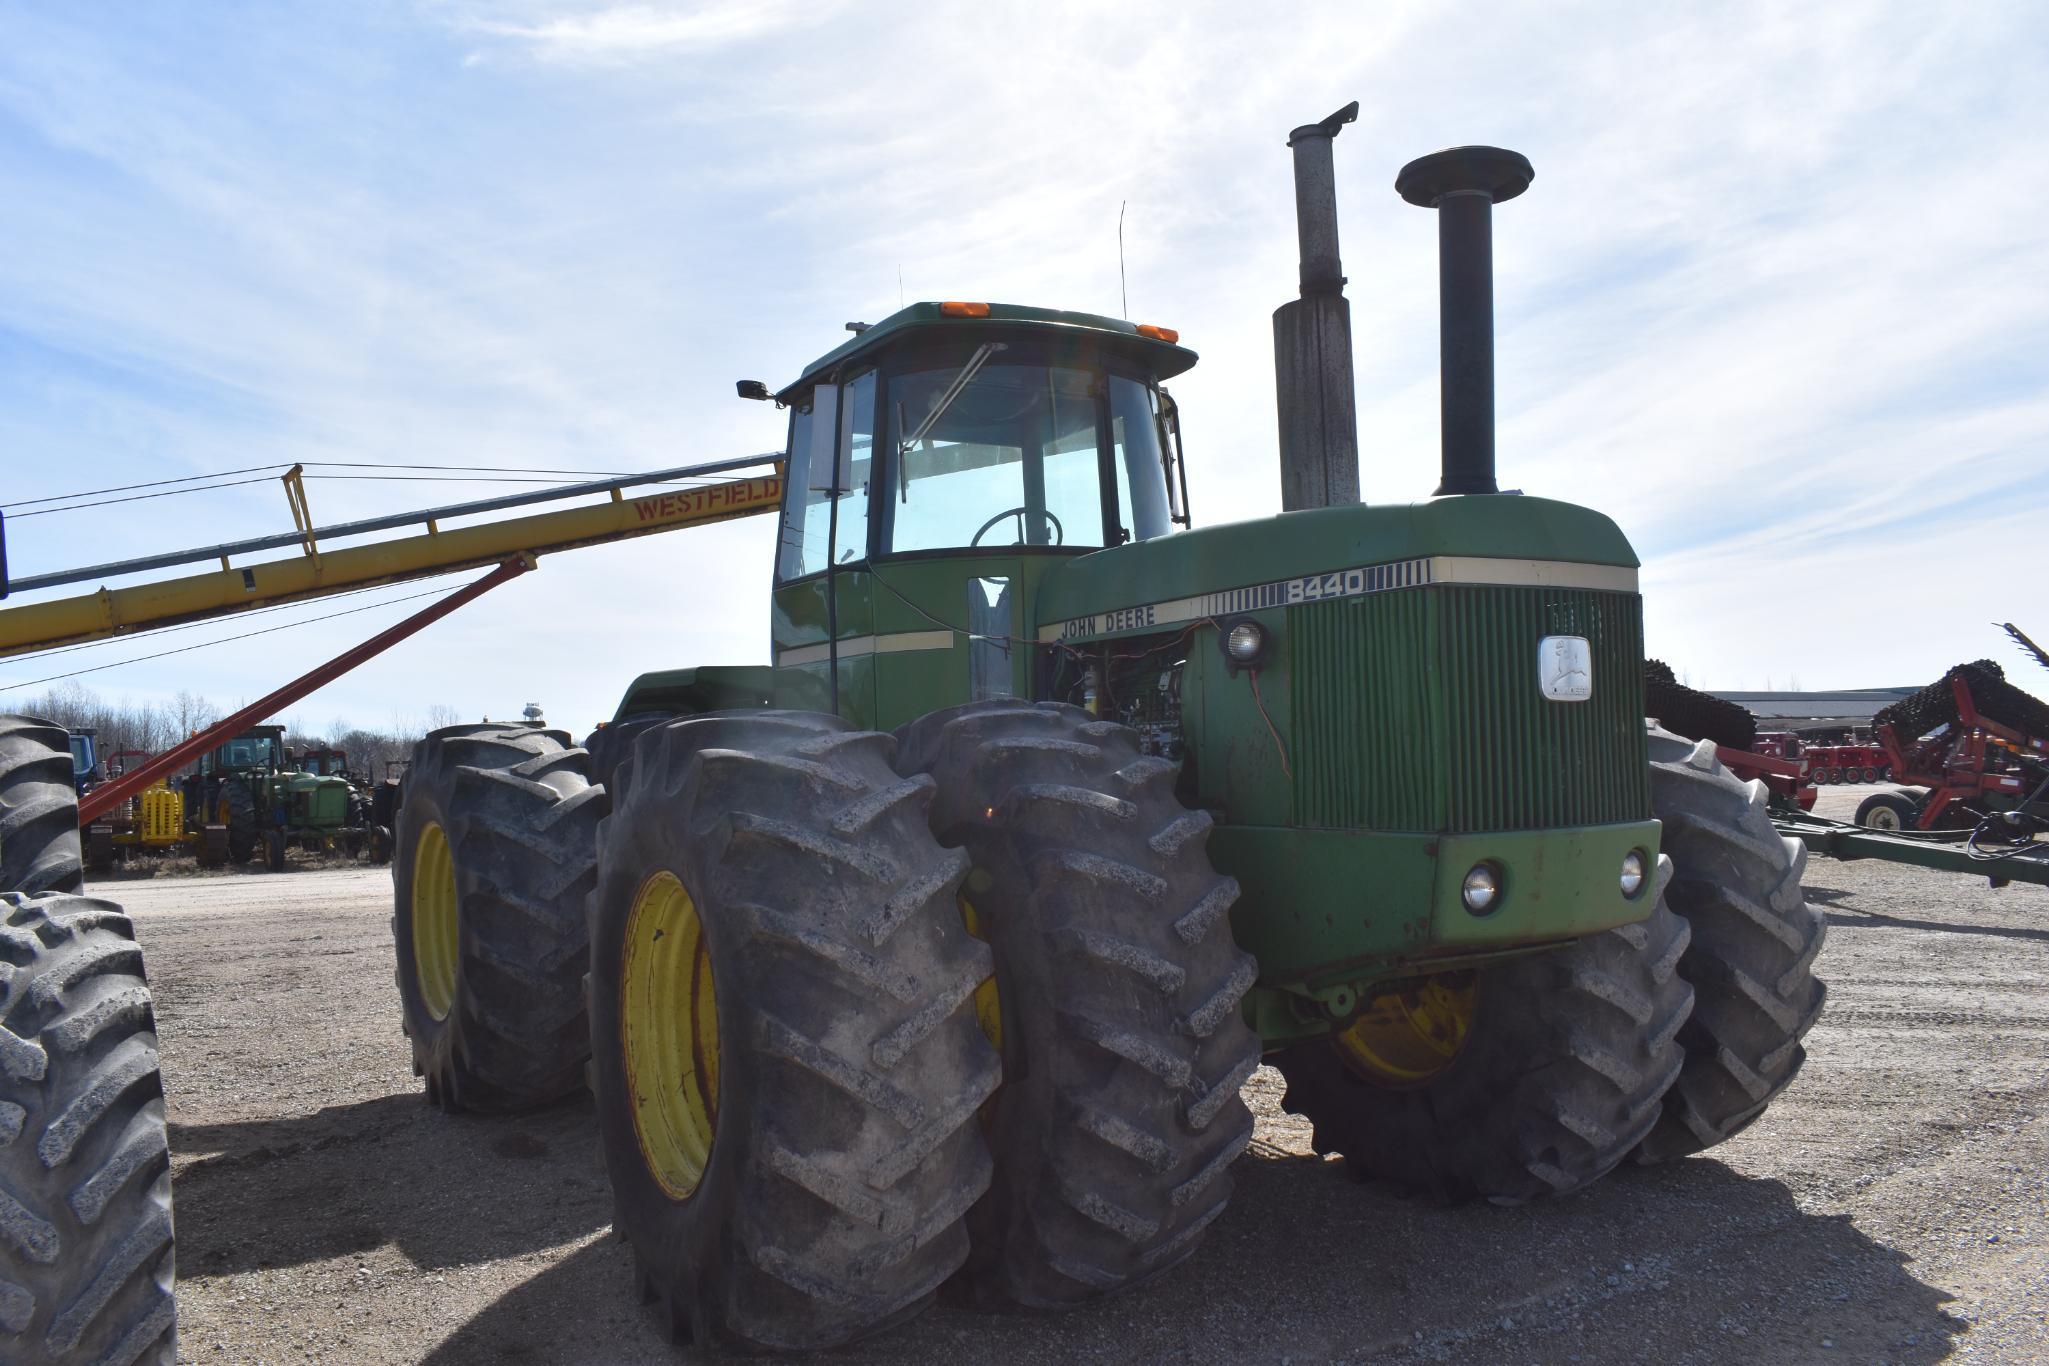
260	750
324	762
939	465
85	765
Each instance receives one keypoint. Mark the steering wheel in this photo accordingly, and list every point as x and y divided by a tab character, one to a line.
1059	532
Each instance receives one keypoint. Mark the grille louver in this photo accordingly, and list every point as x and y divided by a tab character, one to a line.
1420	711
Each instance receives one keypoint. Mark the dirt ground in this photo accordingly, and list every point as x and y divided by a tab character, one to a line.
1893	1206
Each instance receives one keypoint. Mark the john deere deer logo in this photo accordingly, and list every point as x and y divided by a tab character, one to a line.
1565	668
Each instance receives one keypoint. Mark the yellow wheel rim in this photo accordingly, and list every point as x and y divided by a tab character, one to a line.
1407	1037
436	941
988	1004
669	1017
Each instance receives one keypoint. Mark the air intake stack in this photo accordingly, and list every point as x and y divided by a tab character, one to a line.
1464	184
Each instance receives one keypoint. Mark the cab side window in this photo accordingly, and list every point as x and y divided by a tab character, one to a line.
810	541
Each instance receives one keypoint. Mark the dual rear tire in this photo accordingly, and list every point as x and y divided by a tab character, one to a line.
788	1067
496	853
1118	988
794	1057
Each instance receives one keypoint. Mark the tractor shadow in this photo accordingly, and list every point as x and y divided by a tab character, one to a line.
447	1190
1686	1262
1869	920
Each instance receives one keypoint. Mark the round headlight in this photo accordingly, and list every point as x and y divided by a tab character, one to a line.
1632	873
1245	642
1481	889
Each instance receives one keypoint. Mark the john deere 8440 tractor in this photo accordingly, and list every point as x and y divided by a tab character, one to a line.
938	948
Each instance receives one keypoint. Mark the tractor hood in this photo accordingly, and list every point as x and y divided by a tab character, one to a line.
1282	552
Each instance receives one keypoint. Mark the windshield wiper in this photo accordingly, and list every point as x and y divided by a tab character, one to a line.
946	398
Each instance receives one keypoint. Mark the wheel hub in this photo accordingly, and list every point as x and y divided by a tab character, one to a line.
1405	1038
669	1020
988	1003
436	932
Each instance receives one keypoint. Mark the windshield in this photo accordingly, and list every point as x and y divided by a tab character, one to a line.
248	751
978	451
1010	460
81	756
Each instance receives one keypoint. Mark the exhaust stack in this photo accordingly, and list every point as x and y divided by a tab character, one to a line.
1313	339
1464	184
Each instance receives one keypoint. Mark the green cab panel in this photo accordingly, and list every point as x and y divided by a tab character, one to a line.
711	687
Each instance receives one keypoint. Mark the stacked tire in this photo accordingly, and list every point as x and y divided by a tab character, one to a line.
86	1253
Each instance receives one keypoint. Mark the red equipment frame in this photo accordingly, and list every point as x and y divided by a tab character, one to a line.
1956	764
1783	777
103	799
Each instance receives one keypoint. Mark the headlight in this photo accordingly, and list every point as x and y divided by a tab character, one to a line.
1632	873
1481	889
1245	642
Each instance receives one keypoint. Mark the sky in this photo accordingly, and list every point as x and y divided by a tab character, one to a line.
1777	300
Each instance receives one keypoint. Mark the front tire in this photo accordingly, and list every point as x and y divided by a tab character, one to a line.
1554	1074
1736	880
235	808
785	1056
497	849
85	1171
1119	988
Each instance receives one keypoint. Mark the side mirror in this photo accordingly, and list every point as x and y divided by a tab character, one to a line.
752	388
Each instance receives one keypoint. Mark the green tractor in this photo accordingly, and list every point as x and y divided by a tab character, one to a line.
268	797
939	948
327	804
238	786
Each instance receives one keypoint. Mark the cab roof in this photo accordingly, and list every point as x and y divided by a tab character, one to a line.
1164	359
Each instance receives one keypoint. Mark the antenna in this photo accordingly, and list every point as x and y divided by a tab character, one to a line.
1123	295
899	284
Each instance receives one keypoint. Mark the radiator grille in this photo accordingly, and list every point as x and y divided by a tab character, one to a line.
1420	711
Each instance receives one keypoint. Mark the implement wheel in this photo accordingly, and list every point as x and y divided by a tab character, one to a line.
497	848
1888	811
39	848
786	1061
1117	997
1736	880
85	1170
1531	1078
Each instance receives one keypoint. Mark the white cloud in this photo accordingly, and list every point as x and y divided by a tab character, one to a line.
1776	299
620	34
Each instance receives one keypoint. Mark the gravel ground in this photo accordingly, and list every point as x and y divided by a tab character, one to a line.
1893	1206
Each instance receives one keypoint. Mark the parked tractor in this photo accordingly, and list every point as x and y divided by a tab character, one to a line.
237	785
940	946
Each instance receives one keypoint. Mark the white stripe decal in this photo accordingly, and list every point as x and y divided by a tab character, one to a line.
857	646
1349	583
